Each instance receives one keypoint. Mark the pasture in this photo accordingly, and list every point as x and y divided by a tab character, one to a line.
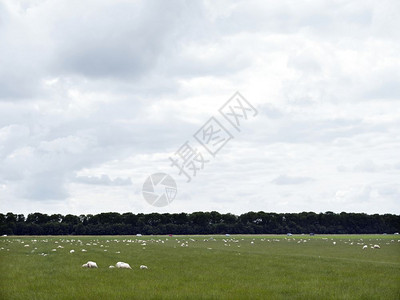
201	267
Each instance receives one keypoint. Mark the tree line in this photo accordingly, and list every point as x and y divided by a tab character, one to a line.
113	223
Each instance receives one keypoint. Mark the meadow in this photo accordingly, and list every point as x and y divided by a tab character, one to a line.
201	267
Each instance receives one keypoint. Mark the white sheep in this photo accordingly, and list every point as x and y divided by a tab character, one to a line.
90	264
143	267
111	267
377	247
365	246
71	251
122	265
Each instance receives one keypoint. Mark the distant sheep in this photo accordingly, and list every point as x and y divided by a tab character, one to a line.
365	246
71	251
377	247
143	267
90	264
111	267
122	265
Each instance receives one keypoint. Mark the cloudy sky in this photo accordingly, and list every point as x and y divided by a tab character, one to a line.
97	95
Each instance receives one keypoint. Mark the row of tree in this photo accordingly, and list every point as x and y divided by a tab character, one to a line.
113	223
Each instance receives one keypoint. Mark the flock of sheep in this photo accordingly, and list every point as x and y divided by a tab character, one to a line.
118	265
372	247
180	241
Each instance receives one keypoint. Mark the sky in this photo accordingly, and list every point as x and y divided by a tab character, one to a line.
95	96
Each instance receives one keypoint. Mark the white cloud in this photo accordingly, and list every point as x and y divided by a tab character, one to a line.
285	180
96	95
103	180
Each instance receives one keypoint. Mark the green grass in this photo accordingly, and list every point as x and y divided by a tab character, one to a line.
273	267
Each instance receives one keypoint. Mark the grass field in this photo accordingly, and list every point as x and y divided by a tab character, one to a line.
209	267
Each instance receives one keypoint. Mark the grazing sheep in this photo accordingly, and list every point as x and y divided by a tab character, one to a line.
365	247
122	265
111	267
377	247
71	251
143	267
334	243
90	264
